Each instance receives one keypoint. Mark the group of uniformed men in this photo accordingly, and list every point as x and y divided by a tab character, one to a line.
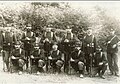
36	50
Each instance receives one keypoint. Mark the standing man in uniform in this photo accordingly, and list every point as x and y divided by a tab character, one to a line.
9	40
28	38
89	47
48	41
112	49
67	48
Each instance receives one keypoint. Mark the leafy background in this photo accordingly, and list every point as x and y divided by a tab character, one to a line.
58	15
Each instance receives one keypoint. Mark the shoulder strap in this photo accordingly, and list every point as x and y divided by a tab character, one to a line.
58	52
4	35
39	51
71	35
79	52
31	34
112	38
20	50
84	37
25	33
51	34
92	38
101	54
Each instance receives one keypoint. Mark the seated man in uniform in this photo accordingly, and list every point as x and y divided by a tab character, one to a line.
100	63
38	58
17	58
55	59
77	60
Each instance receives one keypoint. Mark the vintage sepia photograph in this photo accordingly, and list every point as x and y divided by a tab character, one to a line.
59	42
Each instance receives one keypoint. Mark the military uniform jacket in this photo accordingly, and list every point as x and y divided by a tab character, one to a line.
89	44
114	40
8	40
29	35
1	40
56	55
77	55
18	53
49	35
38	54
28	44
99	57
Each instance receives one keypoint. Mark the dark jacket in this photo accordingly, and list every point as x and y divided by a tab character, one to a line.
20	53
77	55
109	46
99	57
29	35
89	44
1	40
28	44
38	54
8	38
56	55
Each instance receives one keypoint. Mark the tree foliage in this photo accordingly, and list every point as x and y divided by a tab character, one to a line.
60	15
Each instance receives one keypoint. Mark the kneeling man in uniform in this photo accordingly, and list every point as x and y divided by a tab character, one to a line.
17	58
55	59
100	63
38	58
77	60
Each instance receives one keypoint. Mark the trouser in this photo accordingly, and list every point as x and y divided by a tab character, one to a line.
27	55
47	62
6	55
87	63
102	69
113	62
56	64
18	63
78	66
66	65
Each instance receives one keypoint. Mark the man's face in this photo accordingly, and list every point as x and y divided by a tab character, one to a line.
112	32
17	46
36	48
28	28
55	47
8	29
77	48
89	32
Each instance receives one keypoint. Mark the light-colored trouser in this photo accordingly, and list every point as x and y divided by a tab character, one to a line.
41	63
59	63
113	62
80	65
21	62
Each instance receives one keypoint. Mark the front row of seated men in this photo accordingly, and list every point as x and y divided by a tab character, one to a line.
77	60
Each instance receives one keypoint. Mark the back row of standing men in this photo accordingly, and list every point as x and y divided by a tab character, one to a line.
81	54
